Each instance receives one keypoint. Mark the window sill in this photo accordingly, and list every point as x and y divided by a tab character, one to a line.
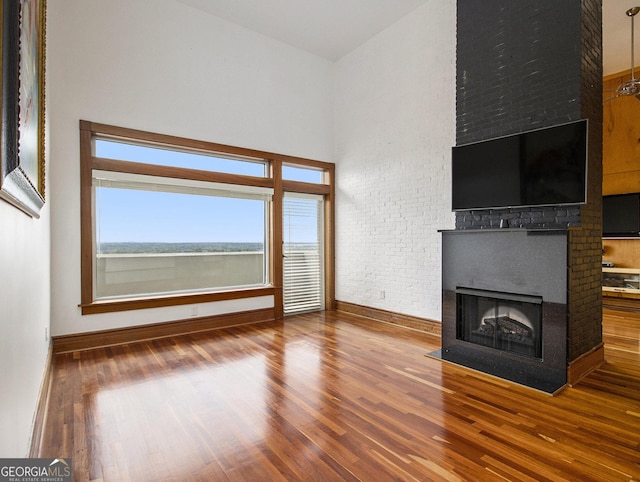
126	304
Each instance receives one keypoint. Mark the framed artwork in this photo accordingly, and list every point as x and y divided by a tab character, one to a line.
22	104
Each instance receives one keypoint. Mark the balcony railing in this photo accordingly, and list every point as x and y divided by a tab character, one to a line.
120	275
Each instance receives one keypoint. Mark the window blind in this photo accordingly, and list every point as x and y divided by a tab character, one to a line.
303	251
142	182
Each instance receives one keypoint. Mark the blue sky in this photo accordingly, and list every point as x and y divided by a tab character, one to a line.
146	216
149	216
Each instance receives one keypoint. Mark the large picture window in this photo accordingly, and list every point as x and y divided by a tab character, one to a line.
160	235
168	220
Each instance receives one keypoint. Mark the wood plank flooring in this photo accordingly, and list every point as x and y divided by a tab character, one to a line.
335	397
621	336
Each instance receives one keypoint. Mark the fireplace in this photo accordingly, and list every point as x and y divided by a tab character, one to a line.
503	321
504	304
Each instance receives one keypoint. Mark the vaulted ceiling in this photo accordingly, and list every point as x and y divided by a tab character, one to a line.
333	28
327	28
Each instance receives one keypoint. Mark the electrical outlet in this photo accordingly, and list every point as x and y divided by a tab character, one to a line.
46	333
382	294
194	311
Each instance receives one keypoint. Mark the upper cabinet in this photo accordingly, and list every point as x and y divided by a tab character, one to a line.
620	138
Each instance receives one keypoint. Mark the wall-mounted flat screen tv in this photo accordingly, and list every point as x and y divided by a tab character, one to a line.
535	168
621	215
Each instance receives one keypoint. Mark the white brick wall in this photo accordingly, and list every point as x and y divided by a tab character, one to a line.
394	128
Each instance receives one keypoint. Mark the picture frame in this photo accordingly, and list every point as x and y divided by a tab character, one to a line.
22	104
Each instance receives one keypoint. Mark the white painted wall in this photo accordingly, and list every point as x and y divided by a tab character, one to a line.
24	317
394	128
160	66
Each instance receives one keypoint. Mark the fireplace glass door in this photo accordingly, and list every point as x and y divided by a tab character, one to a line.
503	321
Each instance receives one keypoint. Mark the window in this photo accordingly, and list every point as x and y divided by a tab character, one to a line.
191	159
162	235
303	239
302	174
168	220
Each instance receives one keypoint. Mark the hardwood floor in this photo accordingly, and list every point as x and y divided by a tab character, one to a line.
332	397
621	336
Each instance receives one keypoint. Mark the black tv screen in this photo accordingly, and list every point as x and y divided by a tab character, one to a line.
621	215
535	168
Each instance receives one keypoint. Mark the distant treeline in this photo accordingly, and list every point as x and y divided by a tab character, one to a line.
145	248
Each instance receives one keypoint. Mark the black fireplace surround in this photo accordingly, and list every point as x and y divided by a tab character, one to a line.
504	304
